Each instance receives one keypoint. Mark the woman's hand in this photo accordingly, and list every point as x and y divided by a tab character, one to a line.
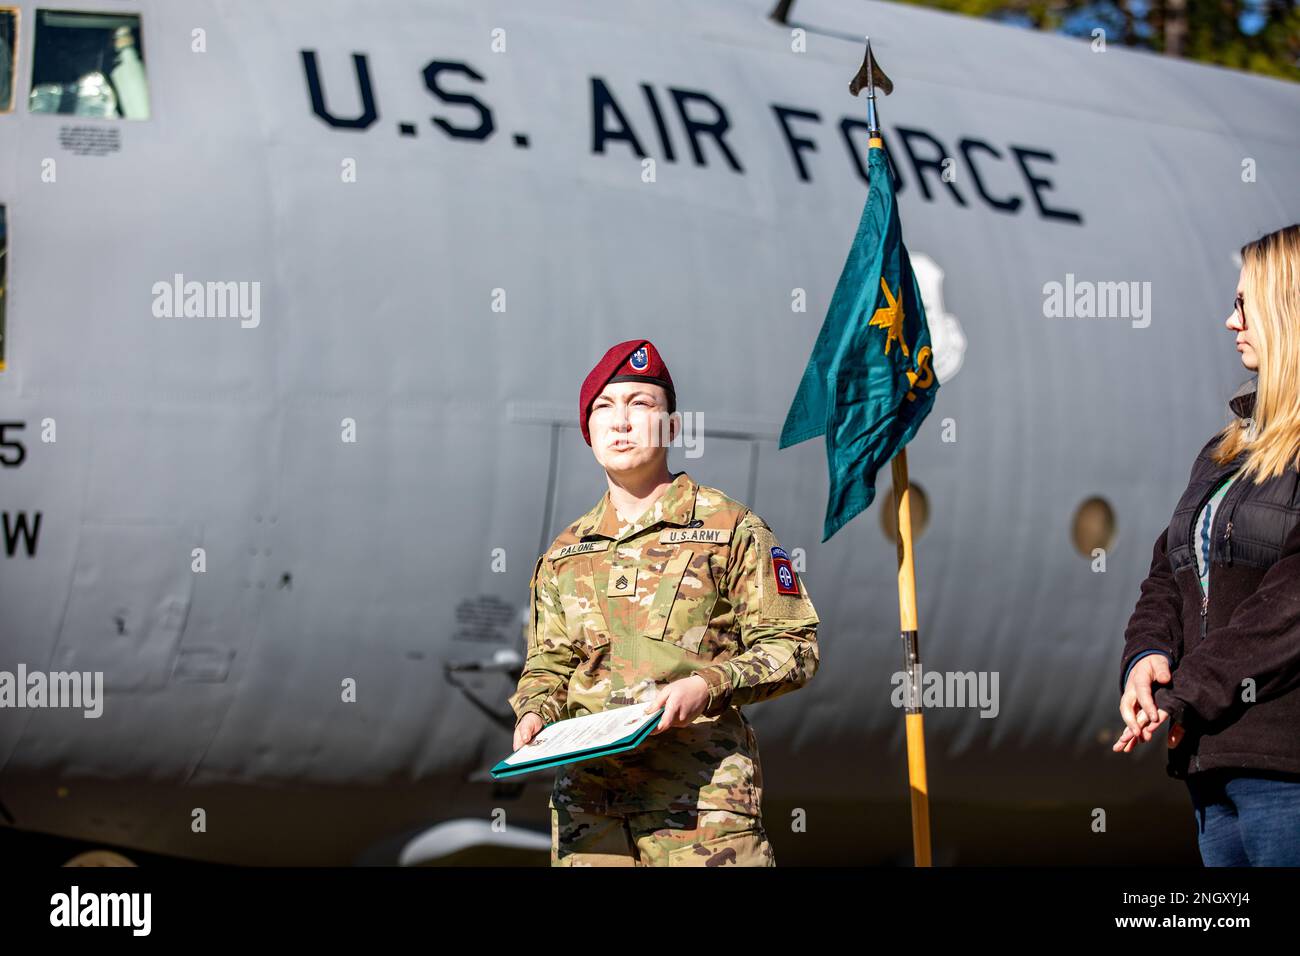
1146	729
527	729
682	700
1138	706
1138	700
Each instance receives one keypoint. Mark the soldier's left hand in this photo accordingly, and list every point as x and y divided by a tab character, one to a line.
682	700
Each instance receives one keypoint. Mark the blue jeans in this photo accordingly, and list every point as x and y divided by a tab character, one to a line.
1247	817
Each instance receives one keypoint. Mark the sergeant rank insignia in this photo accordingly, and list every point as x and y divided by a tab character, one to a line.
784	573
622	581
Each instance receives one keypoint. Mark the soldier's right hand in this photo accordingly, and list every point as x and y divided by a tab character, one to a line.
527	729
1138	701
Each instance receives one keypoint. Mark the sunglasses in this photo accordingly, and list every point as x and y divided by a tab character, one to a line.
1239	304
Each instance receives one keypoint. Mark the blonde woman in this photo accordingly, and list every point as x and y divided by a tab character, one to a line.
1217	625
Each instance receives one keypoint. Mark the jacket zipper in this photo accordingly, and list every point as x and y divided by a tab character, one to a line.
1205	596
1227	537
1227	541
1228	505
1194	538
1235	493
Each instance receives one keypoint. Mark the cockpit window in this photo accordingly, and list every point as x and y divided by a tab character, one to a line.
89	64
8	34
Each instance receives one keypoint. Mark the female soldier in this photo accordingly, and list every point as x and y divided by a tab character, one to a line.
666	594
1218	620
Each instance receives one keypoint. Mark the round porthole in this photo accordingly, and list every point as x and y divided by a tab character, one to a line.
920	511
1094	526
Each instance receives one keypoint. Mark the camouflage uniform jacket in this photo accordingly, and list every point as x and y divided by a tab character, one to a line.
697	585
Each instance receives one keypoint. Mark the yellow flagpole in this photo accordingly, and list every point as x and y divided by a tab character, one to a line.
868	76
912	663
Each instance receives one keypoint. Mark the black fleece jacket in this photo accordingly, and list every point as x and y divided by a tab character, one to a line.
1235	652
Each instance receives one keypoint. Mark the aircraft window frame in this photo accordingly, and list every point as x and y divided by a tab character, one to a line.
97	69
1094	526
919	502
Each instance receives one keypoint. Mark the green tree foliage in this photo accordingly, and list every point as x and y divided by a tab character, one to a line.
1261	36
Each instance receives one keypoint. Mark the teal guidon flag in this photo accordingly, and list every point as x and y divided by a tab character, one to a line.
870	380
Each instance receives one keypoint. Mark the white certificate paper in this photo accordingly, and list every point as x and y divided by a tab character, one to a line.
579	734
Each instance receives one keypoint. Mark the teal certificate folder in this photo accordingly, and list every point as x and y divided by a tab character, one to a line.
581	738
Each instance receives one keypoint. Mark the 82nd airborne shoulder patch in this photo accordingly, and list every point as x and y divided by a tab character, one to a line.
784	573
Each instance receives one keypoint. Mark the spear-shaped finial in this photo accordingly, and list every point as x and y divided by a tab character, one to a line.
871	75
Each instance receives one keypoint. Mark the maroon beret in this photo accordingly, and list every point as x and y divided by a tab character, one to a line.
635	360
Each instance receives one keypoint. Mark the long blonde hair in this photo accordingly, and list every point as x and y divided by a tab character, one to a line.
1271	292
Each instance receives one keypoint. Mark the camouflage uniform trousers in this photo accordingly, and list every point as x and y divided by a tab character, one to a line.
658	838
